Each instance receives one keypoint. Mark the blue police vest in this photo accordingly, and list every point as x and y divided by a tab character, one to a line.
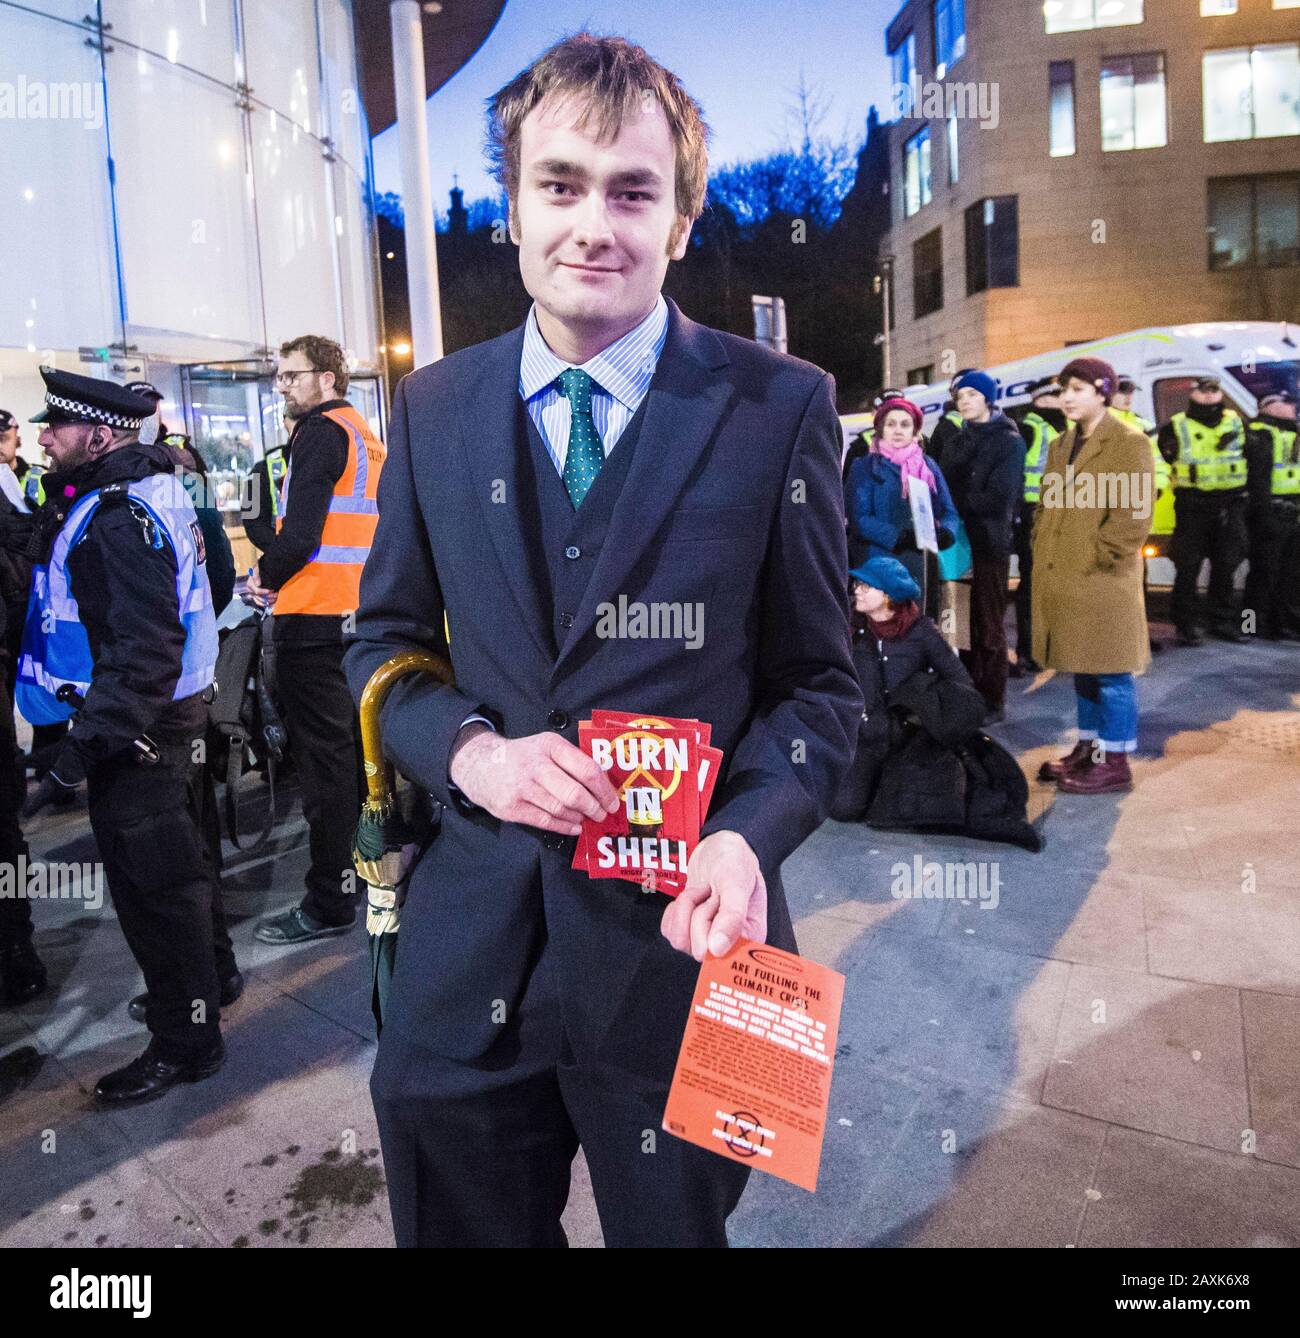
56	649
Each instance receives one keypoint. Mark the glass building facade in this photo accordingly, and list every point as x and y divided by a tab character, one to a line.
186	184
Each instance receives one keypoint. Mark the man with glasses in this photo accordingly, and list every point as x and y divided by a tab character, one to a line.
310	574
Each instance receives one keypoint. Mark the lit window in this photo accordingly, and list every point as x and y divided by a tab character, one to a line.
904	62
952	150
1072	16
949	34
916	172
1212	8
1254	222
1251	92
1061	101
1133	107
1286	4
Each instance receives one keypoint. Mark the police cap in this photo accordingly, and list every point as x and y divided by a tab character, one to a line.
72	398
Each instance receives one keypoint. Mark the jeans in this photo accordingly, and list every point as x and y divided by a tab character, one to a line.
1108	710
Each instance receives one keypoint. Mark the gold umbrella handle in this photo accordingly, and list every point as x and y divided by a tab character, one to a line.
379	775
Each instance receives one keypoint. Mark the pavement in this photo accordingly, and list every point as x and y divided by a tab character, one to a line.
1108	1056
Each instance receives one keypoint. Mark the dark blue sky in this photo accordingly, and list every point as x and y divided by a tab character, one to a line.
740	59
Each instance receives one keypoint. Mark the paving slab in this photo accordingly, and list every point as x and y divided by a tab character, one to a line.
1160	1055
1152	1192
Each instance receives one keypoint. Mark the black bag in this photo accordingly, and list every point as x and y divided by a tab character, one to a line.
244	717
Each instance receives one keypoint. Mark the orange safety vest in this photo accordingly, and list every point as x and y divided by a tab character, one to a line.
330	582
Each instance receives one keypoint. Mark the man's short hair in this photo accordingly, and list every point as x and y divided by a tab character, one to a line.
323	354
614	77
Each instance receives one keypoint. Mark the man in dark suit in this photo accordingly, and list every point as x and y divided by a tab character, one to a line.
608	450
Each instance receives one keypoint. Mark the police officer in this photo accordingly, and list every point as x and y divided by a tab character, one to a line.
1206	446
1273	480
1040	425
125	621
193	473
310	575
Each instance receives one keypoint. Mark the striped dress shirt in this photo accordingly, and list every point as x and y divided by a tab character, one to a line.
621	375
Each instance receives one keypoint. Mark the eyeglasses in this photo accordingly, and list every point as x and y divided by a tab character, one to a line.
290	378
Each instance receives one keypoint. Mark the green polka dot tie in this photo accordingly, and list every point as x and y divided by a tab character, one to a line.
585	455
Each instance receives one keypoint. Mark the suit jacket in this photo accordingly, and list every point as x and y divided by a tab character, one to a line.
733	500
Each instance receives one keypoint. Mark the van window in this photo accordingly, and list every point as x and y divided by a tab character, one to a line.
1266	377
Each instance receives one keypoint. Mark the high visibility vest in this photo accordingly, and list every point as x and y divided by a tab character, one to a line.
1036	455
34	484
1210	459
55	647
330	582
1286	464
276	468
1134	420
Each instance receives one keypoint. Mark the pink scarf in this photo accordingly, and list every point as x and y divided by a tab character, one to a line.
910	460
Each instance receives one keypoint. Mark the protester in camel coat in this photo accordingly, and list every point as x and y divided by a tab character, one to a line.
1089	611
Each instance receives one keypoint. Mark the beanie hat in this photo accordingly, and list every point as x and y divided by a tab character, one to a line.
1095	371
898	402
888	574
980	381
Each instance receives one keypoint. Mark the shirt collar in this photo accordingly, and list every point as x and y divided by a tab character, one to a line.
624	369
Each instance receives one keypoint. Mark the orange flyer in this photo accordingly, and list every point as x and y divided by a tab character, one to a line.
753	1078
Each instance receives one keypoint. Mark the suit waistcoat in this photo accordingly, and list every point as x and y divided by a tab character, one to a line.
566	541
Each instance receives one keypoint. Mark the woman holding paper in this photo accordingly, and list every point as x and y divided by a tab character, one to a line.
881	516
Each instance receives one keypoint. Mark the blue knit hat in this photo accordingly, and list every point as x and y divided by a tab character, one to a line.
889	575
980	381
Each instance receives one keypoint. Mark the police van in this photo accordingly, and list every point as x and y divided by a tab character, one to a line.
1250	358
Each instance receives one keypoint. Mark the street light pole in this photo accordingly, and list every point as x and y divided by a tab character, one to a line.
417	191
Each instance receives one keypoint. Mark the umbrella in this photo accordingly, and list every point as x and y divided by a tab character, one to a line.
385	844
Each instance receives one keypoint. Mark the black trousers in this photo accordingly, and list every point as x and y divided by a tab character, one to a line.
1273	581
1025	590
1207	525
325	737
478	1154
987	658
149	823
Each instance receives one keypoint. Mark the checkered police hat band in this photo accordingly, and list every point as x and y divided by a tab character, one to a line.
89	411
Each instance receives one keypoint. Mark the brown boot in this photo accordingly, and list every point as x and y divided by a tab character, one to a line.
1099	777
1075	758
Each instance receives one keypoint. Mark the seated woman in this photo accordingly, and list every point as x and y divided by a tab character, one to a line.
875	498
922	760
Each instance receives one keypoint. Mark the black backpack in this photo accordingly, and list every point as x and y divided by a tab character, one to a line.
244	718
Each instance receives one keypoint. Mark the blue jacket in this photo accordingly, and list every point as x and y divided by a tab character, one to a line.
879	515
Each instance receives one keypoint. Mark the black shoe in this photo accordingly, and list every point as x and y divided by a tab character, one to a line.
1188	636
295	926
231	989
22	972
150	1076
1030	665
